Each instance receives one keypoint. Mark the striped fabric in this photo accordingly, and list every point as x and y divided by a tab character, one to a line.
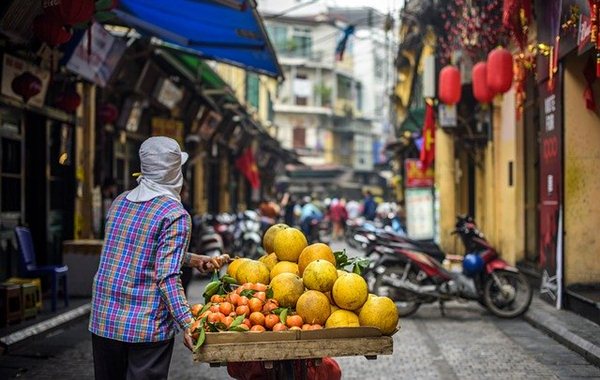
137	293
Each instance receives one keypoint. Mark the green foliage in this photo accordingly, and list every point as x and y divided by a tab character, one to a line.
358	264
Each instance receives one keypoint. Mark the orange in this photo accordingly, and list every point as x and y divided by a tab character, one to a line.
214	308
227	321
294	320
314	252
306	326
261	296
316	327
287	288
243	301
233	267
320	275
260	287
225	308
257	318
280	327
193	328
350	291
242	310
234	299
284	267
245	326
247	322
288	244
269	307
269	236
195	309
215	317
295	328
255	304
313	307
216	298
271	320
252	271
257	328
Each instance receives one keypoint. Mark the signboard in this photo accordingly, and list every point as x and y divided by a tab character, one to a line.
447	115
12	67
415	175
168	127
584	34
97	62
419	213
168	94
551	173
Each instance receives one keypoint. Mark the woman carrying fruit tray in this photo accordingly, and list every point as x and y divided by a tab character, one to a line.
308	289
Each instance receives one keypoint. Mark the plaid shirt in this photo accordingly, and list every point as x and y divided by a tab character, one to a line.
137	293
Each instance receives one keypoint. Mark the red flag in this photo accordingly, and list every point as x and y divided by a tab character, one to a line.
428	148
247	166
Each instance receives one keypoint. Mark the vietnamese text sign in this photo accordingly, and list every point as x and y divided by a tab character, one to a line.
416	176
419	213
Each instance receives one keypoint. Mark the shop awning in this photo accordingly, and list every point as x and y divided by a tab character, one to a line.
230	31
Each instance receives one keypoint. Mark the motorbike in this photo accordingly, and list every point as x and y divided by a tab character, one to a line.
412	277
247	234
205	240
224	225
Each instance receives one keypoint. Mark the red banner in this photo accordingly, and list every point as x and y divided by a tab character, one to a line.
246	164
417	175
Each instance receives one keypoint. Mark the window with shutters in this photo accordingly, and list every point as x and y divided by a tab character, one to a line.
299	137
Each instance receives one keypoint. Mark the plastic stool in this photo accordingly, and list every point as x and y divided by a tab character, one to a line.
12	308
37	282
29	296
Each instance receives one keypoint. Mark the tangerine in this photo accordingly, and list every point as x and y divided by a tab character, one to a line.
261	296
196	308
257	318
295	328
247	322
271	320
257	328
316	326
279	327
225	308
243	301
215	317
234	298
306	326
259	287
227	321
216	298
255	304
214	308
294	320
242	310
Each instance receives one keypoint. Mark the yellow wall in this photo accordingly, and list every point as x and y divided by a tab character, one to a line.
582	179
235	78
445	182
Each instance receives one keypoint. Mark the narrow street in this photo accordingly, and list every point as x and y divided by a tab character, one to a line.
468	343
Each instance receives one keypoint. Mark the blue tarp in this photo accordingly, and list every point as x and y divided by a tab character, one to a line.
230	31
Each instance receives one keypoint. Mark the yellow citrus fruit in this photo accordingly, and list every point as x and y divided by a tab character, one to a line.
320	275
233	267
334	308
341	272
314	252
287	288
313	307
371	295
269	235
284	267
380	312
330	298
350	291
252	271
342	318
269	260
288	244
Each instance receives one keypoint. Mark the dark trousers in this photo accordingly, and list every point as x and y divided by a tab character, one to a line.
116	360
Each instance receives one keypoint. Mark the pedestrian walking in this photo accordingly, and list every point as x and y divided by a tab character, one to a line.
369	206
338	215
138	303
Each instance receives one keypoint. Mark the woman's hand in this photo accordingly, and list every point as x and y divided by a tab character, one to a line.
208	264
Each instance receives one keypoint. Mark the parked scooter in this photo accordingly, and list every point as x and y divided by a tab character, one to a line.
205	240
247	235
411	277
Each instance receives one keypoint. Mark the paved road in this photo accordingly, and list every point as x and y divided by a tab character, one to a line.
468	343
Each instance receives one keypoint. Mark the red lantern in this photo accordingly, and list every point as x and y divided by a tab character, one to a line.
481	91
108	113
50	31
26	85
449	87
70	12
68	101
499	70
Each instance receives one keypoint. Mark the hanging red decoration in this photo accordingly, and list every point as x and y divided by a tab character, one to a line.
595	32
70	12
50	31
500	70
68	101
516	17
481	91
449	87
108	113
26	85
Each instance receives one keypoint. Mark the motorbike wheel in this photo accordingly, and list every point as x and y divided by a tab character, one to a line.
510	298
406	302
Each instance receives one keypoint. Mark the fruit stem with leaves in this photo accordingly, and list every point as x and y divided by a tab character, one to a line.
358	263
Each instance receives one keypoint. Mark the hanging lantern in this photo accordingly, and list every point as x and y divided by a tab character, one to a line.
50	31
68	101
499	70
26	85
481	91
69	12
449	89
108	113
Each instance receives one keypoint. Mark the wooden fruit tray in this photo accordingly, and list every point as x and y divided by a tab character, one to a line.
226	347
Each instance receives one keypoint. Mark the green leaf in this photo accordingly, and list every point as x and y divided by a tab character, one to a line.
215	276
228	279
221	326
206	307
202	336
104	16
341	259
238	329
247	293
213	326
270	293
103	4
283	315
237	321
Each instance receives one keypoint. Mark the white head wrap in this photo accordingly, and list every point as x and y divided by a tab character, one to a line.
161	160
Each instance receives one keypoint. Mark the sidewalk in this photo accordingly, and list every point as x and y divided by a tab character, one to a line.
569	329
